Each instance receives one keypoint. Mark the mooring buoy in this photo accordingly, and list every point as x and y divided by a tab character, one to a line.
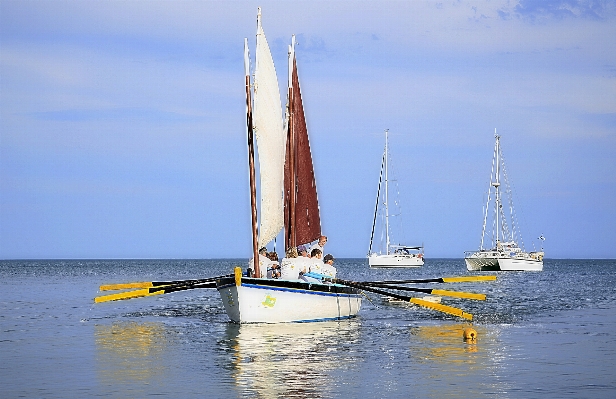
469	334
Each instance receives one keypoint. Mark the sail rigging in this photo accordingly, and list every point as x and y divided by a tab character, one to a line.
376	207
301	210
505	227
506	251
390	255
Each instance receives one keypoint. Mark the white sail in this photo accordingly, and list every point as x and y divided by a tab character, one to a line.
267	122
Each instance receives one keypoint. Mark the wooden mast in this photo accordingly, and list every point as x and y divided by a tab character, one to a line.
290	167
251	162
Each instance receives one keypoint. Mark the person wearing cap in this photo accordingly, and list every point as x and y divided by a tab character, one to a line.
320	244
328	268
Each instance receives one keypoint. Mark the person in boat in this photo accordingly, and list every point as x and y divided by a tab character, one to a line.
273	271
320	244
273	256
328	268
316	264
291	265
302	251
303	259
264	264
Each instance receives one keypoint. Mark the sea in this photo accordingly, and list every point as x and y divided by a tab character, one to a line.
549	334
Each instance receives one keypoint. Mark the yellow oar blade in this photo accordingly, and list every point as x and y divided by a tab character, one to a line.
126	286
127	295
468	279
459	294
442	308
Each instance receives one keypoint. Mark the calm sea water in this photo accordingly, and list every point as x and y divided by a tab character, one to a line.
550	334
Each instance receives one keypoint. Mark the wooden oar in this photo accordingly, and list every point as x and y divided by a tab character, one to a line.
427	304
464	279
455	294
152	291
154	284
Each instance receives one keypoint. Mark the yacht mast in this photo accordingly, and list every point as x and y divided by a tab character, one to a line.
386	193
496	184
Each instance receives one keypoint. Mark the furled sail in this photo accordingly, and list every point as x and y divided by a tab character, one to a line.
301	211
267	123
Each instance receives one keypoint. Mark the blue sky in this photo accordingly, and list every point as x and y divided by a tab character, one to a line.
122	123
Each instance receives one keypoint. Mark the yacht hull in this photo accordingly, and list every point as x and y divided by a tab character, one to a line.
476	264
515	264
502	262
395	260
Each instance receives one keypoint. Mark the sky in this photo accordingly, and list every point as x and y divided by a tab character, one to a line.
123	130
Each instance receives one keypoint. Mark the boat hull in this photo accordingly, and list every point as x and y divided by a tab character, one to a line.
476	263
502	262
524	264
284	301
395	260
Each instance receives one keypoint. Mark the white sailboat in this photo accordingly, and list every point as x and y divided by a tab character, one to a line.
505	253
288	199
391	255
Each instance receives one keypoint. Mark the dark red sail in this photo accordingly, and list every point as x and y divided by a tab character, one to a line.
302	220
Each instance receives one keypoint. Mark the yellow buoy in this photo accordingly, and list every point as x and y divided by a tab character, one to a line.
469	334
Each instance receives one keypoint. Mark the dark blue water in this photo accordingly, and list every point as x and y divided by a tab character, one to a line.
550	334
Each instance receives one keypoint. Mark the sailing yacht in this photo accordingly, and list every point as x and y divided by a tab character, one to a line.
505	253
392	255
288	200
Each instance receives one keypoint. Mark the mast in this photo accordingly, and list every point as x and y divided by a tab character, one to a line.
251	157
496	184
386	194
290	176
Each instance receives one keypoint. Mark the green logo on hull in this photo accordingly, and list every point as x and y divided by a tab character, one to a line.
269	301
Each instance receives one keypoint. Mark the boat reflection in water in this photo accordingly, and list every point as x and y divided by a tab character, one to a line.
448	360
289	359
130	352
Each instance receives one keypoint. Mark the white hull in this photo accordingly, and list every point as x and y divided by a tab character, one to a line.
481	263
395	260
495	261
256	301
516	264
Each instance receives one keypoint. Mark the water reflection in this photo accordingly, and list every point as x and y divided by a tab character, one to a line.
451	361
130	352
290	360
445	343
